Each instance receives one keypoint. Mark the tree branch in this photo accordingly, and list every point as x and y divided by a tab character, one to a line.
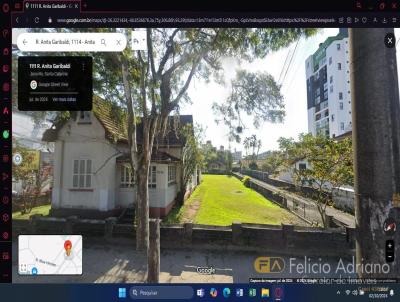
150	53
168	52
185	87
131	114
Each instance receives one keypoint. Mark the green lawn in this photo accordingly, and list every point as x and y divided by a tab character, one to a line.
221	200
44	210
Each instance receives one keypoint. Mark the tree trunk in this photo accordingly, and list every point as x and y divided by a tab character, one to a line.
375	106
153	259
142	213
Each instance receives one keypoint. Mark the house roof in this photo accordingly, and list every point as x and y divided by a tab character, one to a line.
114	121
156	156
343	136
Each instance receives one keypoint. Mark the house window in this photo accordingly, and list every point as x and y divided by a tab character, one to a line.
127	177
331	79
152	177
339	66
330	60
302	166
333	118
341	105
82	174
338	46
341	126
331	89
340	95
171	174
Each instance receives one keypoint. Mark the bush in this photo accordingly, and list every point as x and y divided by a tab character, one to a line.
246	181
216	172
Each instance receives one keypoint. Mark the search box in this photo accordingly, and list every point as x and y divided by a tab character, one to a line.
171	292
59	42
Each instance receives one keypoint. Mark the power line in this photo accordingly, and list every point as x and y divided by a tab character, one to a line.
284	64
290	62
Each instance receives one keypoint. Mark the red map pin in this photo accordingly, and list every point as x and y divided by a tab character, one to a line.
68	247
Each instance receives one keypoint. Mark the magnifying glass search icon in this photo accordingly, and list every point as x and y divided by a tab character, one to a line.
103	42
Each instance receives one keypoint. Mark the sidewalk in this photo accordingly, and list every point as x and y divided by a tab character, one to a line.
106	263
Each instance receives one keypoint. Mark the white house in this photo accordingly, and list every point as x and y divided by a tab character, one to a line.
92	175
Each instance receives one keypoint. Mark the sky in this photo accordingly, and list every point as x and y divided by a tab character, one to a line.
293	89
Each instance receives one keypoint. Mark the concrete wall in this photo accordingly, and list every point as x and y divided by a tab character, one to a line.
344	199
285	239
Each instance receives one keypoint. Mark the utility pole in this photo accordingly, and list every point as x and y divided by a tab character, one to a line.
376	143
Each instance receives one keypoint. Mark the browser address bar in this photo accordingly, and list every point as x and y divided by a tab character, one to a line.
56	42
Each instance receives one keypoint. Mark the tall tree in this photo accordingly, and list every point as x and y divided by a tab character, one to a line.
166	69
254	144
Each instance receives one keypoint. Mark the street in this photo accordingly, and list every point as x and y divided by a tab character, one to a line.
106	263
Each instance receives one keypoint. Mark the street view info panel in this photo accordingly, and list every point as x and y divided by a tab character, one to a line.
165	151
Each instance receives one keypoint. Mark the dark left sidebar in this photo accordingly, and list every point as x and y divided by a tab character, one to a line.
5	143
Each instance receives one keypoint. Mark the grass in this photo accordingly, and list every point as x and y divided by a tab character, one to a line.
222	200
44	210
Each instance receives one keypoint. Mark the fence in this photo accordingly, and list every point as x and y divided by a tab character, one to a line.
241	236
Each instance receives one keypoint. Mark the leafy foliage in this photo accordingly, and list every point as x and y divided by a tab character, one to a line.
246	181
272	163
330	164
253	144
33	178
192	157
255	94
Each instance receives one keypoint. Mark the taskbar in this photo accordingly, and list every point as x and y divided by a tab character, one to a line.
297	292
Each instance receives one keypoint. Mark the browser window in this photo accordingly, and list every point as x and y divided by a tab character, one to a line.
188	154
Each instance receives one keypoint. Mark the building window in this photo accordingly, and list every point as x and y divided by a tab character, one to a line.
331	79
333	118
152	177
341	126
127	177
339	66
338	46
171	174
330	60
82	174
340	95
341	105
331	89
